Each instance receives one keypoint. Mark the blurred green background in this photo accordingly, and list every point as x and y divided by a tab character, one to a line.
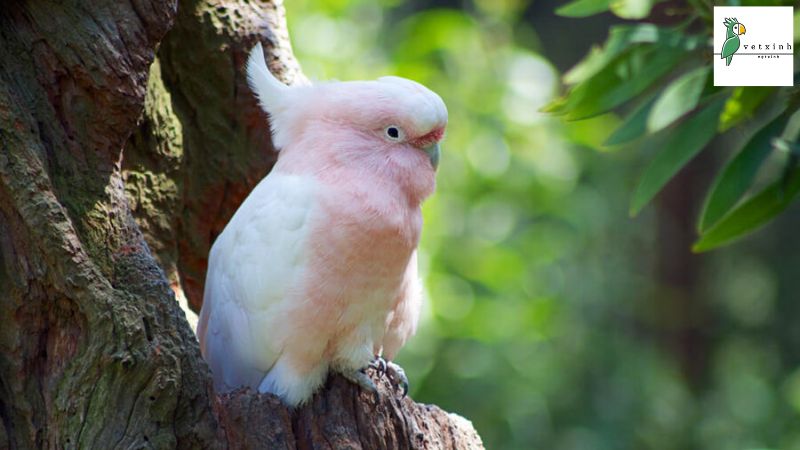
553	319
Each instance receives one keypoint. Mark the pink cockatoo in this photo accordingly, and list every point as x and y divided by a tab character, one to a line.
317	270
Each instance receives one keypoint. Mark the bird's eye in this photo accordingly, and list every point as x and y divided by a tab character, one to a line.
393	133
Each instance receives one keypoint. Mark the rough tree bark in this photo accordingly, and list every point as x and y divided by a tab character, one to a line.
113	159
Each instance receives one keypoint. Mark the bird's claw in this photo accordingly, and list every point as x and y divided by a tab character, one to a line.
378	365
397	376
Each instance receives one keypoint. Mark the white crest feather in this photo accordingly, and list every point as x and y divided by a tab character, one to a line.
267	88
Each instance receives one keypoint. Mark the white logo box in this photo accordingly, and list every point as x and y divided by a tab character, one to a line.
766	52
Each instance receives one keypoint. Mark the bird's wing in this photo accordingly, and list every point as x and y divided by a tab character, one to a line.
730	46
253	266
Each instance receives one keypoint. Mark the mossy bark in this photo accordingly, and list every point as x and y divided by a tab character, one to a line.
127	139
186	181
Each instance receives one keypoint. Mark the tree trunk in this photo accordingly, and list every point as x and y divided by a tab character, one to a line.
107	153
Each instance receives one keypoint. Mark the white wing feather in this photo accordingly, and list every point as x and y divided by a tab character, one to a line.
253	264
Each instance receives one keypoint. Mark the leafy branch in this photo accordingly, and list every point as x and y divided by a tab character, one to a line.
661	76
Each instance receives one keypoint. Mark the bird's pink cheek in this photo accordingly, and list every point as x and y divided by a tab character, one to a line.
411	157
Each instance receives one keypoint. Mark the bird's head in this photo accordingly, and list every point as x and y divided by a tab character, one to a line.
393	117
390	127
734	27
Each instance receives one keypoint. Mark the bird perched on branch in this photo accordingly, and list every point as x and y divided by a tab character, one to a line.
317	270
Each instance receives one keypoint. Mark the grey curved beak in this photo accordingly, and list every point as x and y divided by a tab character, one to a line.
433	152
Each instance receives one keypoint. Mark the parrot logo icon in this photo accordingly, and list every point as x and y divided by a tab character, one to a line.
731	45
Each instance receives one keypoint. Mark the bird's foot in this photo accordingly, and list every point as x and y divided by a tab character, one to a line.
360	378
378	365
396	375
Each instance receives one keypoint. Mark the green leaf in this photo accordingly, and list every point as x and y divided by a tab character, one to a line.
634	126
797	25
742	105
621	39
591	132
557	106
738	174
751	214
680	97
626	78
678	144
583	8
632	9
